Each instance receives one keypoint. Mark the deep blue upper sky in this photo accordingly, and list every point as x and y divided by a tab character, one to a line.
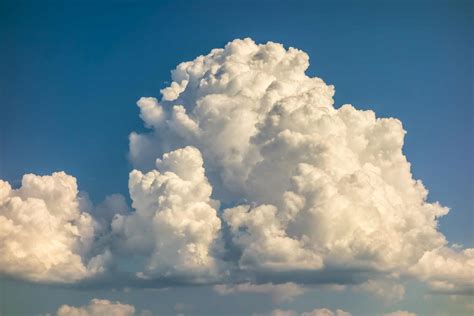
71	74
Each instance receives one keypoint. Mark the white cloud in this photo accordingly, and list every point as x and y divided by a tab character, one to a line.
281	312
265	243
388	290
447	270
321	188
97	307
399	313
150	111
315	312
44	235
326	312
279	292
175	224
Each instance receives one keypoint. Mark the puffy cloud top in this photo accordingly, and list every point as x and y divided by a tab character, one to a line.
175	223
44	234
320	187
307	189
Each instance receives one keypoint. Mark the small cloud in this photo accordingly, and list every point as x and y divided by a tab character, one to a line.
399	313
98	307
314	312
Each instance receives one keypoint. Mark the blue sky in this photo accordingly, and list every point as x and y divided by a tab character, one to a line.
72	72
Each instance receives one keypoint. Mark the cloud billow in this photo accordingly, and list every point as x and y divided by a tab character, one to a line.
45	235
322	188
175	224
309	191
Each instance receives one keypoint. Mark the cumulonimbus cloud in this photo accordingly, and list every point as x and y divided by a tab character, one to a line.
319	187
307	188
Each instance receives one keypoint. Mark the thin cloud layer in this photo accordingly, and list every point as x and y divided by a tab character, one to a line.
44	234
315	312
328	312
399	313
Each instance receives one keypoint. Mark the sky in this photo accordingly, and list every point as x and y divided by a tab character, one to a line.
72	74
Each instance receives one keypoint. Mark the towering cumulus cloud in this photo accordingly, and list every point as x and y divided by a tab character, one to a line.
175	223
44	234
313	188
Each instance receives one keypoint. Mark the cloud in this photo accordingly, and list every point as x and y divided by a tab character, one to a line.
279	292
97	307
447	270
45	236
175	224
326	312
311	193
181	307
150	112
399	313
112	205
388	290
312	188
315	312
280	312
